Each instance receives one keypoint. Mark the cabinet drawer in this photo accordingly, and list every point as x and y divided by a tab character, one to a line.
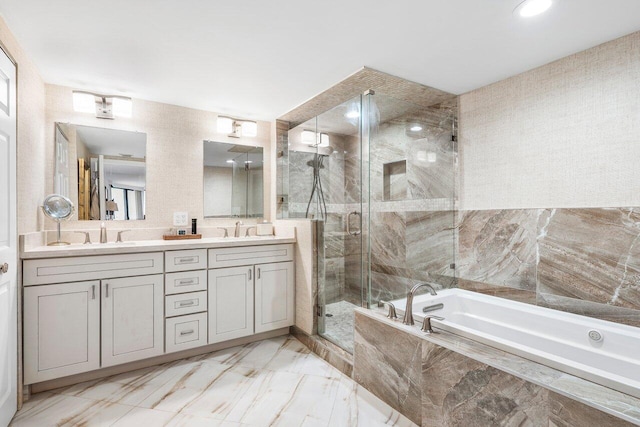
247	255
186	332
177	305
60	270
185	281
191	259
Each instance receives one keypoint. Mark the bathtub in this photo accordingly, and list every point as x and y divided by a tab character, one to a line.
564	341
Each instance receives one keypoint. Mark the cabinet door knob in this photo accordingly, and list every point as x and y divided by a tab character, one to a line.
4	268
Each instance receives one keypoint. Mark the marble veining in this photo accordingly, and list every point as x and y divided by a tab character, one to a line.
464	382
275	382
585	261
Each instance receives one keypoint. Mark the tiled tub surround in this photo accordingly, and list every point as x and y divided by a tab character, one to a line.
550	337
585	261
447	380
274	382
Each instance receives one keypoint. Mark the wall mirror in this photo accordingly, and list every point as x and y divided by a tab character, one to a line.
233	180
102	171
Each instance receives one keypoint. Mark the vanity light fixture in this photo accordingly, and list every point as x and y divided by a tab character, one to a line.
104	106
237	128
231	161
530	8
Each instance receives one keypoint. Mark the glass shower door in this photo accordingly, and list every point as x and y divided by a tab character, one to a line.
340	274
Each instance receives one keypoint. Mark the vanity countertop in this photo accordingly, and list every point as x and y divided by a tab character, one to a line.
150	246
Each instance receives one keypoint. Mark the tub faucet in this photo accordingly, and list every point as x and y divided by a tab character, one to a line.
408	311
426	323
237	232
392	309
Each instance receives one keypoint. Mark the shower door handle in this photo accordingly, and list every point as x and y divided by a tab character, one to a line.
359	230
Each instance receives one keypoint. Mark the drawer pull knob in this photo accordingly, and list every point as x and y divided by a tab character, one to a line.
189	332
186	260
186	303
186	282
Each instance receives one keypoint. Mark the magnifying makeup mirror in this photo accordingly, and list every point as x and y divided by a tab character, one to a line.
58	208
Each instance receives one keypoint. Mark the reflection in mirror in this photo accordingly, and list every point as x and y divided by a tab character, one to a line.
106	176
233	180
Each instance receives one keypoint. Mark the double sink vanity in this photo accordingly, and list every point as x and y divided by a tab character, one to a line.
88	307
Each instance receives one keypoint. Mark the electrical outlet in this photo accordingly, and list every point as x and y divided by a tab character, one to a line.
180	219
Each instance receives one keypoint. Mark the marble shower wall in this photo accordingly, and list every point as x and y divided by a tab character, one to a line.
585	261
412	227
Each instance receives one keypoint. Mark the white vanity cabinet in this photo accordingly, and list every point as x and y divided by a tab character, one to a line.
132	319
61	330
230	303
77	326
185	301
84	313
251	290
274	296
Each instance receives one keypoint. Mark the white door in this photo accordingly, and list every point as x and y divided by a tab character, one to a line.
230	303
274	296
132	319
8	243
61	331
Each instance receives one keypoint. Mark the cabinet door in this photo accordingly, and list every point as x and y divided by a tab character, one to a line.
132	319
230	303
274	296
61	330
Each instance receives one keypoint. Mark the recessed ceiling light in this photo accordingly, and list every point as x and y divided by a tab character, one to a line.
415	128
529	8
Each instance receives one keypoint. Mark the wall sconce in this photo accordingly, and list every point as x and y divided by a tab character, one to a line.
236	128
104	106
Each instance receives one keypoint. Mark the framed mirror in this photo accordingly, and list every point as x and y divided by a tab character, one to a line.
233	180
102	171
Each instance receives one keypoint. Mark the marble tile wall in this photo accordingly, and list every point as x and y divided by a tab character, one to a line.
443	382
585	261
412	239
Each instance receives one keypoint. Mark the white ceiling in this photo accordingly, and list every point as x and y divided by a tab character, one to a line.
259	59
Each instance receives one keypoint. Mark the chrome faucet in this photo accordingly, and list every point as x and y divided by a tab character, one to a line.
237	232
392	309
103	233
426	323
119	238
408	311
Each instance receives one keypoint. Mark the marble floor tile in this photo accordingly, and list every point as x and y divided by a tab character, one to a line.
356	406
151	417
48	409
275	382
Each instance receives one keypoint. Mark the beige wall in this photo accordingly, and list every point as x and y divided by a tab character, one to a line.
174	155
566	134
31	140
